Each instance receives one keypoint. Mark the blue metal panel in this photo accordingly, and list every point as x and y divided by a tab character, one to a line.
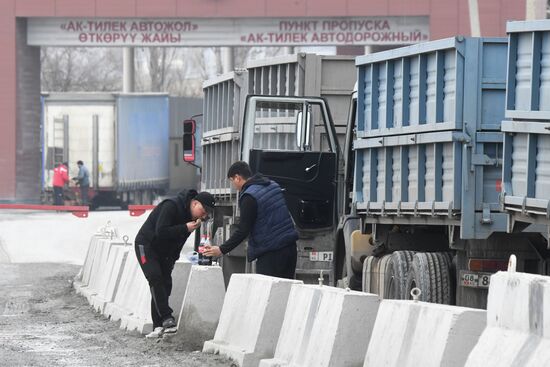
528	87
526	165
434	75
526	169
438	152
142	141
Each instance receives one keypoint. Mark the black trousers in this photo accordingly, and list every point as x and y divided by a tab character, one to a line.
158	272
57	195
279	263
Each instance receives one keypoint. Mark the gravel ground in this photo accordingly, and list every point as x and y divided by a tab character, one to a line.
44	323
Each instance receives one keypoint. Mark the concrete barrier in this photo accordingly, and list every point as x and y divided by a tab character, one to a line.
408	333
202	306
109	279
251	318
325	326
125	298
83	277
101	256
518	322
139	315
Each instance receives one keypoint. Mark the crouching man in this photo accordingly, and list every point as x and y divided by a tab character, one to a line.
158	245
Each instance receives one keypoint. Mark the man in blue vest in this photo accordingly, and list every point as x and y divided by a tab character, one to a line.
265	220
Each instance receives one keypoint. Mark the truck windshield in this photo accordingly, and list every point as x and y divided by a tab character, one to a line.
282	126
276	125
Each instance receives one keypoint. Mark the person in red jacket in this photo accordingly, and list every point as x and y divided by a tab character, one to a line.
60	179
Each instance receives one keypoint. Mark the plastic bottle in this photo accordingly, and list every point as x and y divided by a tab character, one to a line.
206	260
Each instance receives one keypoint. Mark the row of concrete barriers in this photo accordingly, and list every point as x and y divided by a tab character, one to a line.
268	322
114	285
272	322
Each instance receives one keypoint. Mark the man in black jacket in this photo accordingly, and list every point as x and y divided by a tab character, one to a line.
158	245
265	220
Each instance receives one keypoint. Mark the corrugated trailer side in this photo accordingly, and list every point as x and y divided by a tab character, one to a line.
526	168
330	77
224	99
429	143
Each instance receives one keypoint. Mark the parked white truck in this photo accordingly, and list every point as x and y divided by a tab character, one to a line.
309	159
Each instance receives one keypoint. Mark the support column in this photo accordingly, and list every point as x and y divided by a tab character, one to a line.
28	158
8	122
228	59
128	70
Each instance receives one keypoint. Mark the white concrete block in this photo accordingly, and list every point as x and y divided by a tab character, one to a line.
408	333
518	328
139	315
251	318
131	279
110	278
98	268
202	306
83	278
322	327
180	280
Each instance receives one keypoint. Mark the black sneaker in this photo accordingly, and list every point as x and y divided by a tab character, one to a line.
170	325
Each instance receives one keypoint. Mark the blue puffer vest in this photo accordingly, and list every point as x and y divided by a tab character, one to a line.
273	228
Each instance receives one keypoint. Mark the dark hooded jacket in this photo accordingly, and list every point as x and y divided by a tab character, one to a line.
165	230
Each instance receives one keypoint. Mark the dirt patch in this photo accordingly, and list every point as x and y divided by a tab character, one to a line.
44	323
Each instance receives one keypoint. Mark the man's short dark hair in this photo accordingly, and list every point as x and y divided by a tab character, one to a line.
80	163
240	168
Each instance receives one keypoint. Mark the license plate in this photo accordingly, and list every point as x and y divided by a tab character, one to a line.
320	256
475	280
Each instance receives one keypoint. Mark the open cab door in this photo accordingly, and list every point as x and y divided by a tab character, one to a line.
292	141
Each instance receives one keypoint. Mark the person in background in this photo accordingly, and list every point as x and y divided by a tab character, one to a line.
83	180
158	245
60	179
265	220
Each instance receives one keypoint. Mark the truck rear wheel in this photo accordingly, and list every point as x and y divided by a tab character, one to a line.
398	271
431	273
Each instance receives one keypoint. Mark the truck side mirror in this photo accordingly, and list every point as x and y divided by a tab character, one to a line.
189	140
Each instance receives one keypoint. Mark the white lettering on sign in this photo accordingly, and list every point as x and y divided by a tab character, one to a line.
227	32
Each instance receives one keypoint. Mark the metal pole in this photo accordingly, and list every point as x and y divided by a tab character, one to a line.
128	70
535	9
228	59
475	28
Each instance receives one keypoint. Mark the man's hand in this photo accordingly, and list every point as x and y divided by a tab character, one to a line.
212	251
191	226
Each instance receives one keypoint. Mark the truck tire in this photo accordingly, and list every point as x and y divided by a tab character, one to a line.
375	275
431	273
419	277
398	271
444	264
366	283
